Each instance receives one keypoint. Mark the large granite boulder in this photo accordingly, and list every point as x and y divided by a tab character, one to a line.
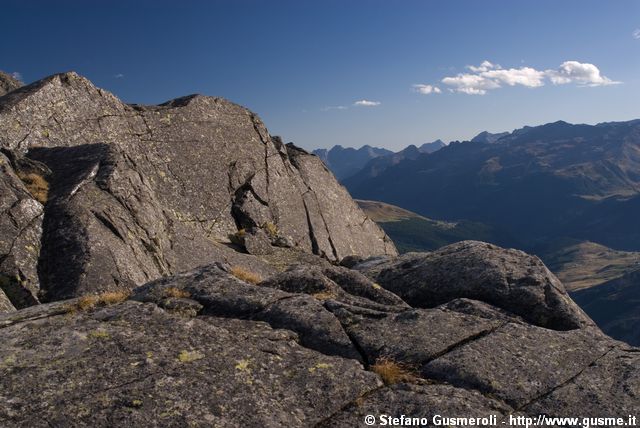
140	192
509	279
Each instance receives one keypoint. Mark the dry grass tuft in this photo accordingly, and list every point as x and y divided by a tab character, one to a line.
176	292
238	237
37	185
245	275
324	295
393	372
271	229
91	301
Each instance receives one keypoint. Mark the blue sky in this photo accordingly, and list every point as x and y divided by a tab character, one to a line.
303	66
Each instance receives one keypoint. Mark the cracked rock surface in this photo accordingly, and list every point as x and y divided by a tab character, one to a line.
140	192
205	348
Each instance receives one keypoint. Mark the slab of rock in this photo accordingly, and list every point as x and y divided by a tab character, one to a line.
134	364
207	348
413	337
609	387
223	295
520	363
509	279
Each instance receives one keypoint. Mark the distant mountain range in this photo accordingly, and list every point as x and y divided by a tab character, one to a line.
345	162
534	184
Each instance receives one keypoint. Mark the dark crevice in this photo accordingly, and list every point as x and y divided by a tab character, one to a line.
108	224
463	342
312	237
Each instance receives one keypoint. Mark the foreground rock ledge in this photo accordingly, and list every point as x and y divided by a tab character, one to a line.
204	348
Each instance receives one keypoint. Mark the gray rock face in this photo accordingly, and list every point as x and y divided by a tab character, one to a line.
20	230
137	365
303	348
137	192
508	279
8	83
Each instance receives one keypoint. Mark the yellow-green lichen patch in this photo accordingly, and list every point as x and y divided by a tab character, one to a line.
188	356
319	366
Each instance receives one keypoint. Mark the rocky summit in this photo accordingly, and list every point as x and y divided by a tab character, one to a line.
176	265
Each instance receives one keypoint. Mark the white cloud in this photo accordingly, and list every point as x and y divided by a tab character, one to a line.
582	73
366	103
488	76
636	34
16	75
486	65
119	76
472	84
426	89
329	108
525	76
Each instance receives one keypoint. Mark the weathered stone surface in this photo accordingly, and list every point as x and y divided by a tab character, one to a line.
344	219
136	365
610	386
414	336
257	242
199	348
419	401
337	283
5	303
20	230
223	295
8	83
480	309
141	192
509	279
519	363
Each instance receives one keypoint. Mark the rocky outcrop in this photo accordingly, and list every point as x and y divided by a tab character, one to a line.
20	231
312	346
140	192
507	279
8	83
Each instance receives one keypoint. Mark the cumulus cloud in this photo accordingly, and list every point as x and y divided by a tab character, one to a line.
581	73
426	89
16	75
488	76
636	34
366	103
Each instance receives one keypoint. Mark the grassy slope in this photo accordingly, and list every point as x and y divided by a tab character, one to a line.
586	264
412	232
